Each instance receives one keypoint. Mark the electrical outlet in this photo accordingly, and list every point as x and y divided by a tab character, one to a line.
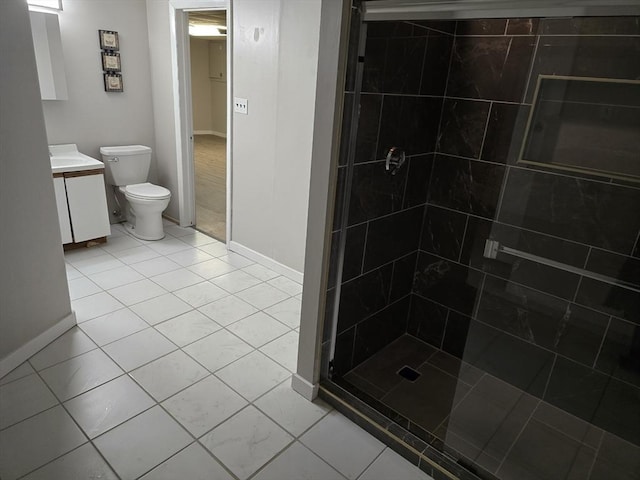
240	105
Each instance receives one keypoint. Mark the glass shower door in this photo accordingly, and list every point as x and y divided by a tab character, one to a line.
488	298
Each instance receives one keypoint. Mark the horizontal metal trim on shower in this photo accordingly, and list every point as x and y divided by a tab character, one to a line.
492	248
381	10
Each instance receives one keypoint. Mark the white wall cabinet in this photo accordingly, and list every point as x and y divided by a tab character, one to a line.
82	206
47	44
218	60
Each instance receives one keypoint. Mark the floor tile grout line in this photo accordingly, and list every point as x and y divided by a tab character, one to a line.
128	373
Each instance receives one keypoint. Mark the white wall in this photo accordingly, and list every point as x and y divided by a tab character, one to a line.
201	85
34	295
275	51
92	117
274	57
161	56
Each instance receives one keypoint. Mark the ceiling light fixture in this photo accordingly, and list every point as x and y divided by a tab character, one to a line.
205	31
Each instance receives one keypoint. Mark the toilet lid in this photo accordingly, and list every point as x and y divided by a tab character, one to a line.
147	190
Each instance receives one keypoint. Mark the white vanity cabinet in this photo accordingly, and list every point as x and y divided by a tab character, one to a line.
82	206
63	209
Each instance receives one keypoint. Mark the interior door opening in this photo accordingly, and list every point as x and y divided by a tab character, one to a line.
208	55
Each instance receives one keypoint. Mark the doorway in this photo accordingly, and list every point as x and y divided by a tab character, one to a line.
208	54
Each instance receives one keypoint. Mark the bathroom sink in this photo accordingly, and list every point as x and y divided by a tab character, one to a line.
67	158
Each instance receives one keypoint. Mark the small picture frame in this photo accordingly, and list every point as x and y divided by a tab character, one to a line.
111	61
113	82
109	40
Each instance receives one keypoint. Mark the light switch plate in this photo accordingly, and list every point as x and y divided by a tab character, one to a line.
240	105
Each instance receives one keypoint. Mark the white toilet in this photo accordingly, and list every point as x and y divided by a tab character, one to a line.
127	167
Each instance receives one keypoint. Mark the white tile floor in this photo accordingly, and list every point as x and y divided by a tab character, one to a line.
180	368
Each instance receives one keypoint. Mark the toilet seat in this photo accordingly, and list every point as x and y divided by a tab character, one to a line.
146	191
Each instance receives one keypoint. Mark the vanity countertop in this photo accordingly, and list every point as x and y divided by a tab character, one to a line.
66	158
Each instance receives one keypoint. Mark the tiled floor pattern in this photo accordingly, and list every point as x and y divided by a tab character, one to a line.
180	368
506	431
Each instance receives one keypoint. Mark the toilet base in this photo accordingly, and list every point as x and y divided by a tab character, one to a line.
144	232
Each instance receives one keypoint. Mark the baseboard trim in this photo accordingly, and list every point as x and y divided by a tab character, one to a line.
33	346
266	261
304	388
210	132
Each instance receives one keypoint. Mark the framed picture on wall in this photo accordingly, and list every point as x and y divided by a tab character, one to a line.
109	40
110	62
113	82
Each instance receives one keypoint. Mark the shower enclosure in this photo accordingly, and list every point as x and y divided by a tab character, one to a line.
483	306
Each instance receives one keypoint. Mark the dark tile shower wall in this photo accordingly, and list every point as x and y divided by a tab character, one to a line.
570	340
456	98
399	106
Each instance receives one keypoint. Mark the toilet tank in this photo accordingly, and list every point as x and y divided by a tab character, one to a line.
126	164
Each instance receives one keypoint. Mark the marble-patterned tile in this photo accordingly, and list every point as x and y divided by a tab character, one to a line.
227	310
258	329
70	344
98	262
490	67
235	259
297	461
196	239
235	281
94	306
262	296
204	405
410	122
156	266
211	268
115	277
253	375
139	348
260	272
79	374
137	292
462	127
381	249
286	285
246	441
391	465
187	328
83	462
19	372
24	398
585	211
328	437
24	448
120	242
218	349
193	463
82	287
283	350
290	410
161	308
169	374
442	232
287	312
113	326
168	245
189	257
141	443
200	294
108	405
177	279
136	254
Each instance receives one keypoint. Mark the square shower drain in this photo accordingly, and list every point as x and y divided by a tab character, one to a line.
409	373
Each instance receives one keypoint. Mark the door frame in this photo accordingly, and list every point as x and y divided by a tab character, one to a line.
184	110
